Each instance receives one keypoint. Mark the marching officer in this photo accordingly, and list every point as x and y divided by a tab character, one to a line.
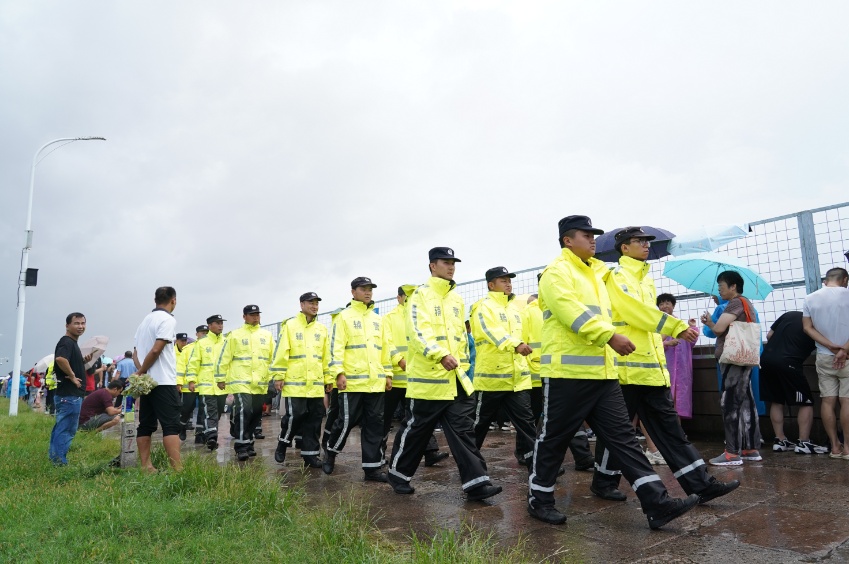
187	391
331	393
502	376
579	378
212	393
438	387
300	372
359	363
191	382
244	361
395	328
644	380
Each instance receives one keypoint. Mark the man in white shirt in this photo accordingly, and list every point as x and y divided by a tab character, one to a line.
825	318
154	355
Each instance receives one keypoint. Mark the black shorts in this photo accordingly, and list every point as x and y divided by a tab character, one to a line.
162	404
784	384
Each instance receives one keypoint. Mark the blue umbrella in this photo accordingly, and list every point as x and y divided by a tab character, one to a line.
706	238
606	251
698	271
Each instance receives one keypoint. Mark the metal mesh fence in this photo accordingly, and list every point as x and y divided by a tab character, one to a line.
791	252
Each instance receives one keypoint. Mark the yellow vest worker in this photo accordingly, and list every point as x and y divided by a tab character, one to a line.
359	362
438	388
502	375
300	373
332	393
212	391
245	359
190	391
580	348
180	343
645	380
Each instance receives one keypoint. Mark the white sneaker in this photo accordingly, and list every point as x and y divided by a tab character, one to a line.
655	458
807	447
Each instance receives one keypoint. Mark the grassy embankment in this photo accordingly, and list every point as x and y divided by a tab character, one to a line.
88	512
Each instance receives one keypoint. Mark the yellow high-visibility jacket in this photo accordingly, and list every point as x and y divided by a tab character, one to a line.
532	335
187	355
245	358
395	329
50	378
577	319
357	349
646	366
436	328
181	365
301	356
497	330
201	366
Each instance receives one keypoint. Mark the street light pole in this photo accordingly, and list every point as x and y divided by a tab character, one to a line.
22	289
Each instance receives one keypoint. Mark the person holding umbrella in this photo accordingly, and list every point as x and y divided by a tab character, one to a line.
645	384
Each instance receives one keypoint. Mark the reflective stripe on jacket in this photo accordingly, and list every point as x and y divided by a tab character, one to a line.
497	330
187	356
356	349
244	360
646	366
201	365
395	328
301	356
532	336
436	328
181	365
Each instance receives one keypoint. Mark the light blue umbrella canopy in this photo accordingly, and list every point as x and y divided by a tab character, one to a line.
706	238
698	271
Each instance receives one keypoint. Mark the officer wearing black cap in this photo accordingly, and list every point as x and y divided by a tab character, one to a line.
644	380
190	391
212	394
299	372
359	363
502	374
579	377
438	386
245	359
180	342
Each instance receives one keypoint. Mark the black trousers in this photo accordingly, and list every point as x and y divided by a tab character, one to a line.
189	400
566	404
456	417
211	408
247	414
302	419
654	406
517	407
365	409
332	413
394	398
579	445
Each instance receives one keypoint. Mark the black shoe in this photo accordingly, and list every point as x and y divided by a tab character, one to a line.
434	457
375	477
329	463
673	509
259	436
483	492
559	472
585	465
199	439
280	453
212	443
251	451
182	434
717	489
312	461
402	487
242	455
547	514
610	493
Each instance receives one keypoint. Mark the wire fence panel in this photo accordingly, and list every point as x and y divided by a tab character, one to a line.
775	248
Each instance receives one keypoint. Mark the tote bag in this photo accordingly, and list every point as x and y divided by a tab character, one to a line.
743	341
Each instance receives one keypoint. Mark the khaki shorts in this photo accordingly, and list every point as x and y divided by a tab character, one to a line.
832	382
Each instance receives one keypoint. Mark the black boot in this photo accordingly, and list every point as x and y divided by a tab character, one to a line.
673	509
280	452
482	492
329	463
375	476
312	461
432	457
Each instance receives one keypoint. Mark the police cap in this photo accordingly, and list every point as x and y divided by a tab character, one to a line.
442	253
581	222
498	272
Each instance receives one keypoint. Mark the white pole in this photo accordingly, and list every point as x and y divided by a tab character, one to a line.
22	289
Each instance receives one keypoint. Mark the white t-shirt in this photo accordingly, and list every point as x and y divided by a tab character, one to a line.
828	309
159	324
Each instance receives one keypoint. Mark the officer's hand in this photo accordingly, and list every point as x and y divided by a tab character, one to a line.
221	385
327	389
179	388
278	385
388	384
449	362
191	386
402	364
621	344
341	382
690	335
524	349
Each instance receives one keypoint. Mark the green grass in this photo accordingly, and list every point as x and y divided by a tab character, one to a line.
89	512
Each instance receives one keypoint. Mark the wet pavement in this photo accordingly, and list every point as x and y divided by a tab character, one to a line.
789	508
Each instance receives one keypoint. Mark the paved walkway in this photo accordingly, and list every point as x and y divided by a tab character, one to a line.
789	507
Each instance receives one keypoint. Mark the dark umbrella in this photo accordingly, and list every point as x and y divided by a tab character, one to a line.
605	250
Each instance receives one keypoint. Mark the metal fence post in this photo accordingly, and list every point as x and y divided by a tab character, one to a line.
808	246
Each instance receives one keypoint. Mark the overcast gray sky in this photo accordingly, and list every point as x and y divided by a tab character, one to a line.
260	150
